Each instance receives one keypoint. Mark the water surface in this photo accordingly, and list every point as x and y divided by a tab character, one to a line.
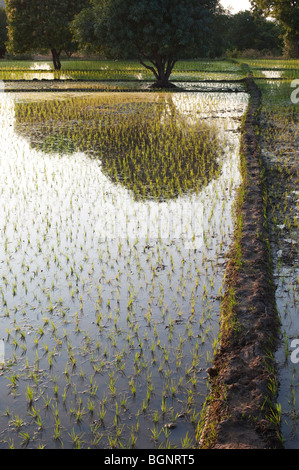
109	315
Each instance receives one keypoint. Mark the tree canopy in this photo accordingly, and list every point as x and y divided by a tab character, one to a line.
286	12
249	31
157	32
3	31
35	25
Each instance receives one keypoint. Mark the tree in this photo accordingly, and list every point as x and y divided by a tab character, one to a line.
3	31
249	31
156	32
243	31
219	43
286	12
36	25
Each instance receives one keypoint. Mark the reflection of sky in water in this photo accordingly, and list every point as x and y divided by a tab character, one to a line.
116	213
272	73
38	71
38	76
40	66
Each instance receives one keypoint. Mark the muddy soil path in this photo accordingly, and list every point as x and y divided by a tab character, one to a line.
240	410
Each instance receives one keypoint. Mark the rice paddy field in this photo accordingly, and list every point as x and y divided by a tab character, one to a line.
116	218
81	75
273	68
279	146
184	71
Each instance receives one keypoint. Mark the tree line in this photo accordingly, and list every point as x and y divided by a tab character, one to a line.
156	32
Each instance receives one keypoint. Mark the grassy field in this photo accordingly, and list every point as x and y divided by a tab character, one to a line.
118	70
267	68
184	71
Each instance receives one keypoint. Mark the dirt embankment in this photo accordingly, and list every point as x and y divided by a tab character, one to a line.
240	409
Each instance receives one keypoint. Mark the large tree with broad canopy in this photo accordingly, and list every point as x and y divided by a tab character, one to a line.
37	25
157	32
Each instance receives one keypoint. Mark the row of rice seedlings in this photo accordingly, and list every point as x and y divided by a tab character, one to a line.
27	75
53	86
115	75
90	316
81	64
117	70
182	65
272	64
143	74
267	68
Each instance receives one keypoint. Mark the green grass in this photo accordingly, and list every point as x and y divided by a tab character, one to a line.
270	68
107	70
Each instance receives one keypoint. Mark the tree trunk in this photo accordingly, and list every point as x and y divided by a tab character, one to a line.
56	58
161	68
163	83
164	68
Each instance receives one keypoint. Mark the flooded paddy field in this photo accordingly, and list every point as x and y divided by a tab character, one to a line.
283	69
279	146
103	70
49	85
109	75
116	215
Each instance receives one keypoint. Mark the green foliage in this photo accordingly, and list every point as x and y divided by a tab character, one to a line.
218	41
3	31
249	31
286	12
36	25
158	33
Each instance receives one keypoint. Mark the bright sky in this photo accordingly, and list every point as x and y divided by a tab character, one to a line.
237	5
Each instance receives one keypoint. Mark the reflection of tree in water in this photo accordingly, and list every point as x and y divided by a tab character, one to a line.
143	142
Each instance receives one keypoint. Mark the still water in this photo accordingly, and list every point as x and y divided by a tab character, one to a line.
109	303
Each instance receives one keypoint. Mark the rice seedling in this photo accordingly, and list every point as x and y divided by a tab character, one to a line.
29	395
17	422
25	438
